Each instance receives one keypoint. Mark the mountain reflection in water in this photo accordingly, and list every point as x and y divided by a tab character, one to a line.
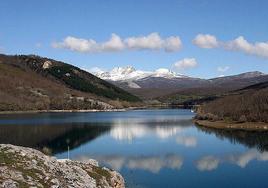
56	138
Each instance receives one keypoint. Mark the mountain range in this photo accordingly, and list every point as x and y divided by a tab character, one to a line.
30	82
163	82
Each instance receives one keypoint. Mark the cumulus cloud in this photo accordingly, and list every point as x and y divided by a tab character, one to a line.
206	41
207	163
223	69
185	63
77	44
239	44
114	44
187	141
152	41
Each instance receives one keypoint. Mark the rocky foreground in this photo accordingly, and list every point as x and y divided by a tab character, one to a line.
26	167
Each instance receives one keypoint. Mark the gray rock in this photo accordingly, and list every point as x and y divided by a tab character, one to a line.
20	166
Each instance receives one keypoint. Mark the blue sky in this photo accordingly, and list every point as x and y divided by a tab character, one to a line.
31	27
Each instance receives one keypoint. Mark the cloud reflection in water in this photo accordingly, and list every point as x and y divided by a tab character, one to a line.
124	130
148	163
208	163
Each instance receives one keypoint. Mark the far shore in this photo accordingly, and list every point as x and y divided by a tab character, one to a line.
247	126
89	110
62	111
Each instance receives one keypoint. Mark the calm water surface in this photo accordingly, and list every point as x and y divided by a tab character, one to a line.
151	148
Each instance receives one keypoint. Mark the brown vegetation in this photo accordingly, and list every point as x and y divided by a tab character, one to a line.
248	126
248	105
25	85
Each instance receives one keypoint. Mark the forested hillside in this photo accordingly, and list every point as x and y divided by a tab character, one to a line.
30	82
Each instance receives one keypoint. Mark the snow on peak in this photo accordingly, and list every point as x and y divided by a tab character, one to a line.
129	73
162	72
123	70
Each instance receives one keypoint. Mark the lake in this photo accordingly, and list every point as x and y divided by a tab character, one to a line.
150	148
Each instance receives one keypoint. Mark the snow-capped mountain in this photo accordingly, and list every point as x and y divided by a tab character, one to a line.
150	84
129	73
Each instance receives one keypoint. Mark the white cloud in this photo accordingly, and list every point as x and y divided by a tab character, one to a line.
76	44
187	141
206	41
207	163
239	44
172	44
150	42
185	63
154	42
223	69
242	45
114	44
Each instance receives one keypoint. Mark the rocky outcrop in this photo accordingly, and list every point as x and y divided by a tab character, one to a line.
26	167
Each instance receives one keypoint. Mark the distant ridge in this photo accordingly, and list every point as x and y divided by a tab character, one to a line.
163	82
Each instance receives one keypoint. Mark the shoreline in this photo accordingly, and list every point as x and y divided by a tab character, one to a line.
80	111
62	111
247	126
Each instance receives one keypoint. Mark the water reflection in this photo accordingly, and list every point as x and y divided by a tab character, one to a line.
55	138
162	130
208	163
187	141
150	148
251	139
148	163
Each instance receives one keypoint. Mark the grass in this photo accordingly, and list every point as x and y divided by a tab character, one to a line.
18	163
98	173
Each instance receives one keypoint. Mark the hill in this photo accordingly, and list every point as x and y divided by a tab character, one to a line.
249	104
217	87
30	82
